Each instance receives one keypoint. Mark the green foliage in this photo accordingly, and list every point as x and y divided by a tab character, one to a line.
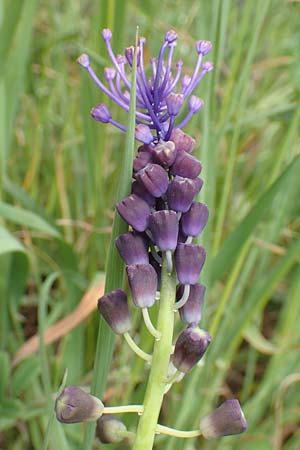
59	177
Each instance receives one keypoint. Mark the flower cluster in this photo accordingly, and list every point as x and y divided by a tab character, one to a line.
163	217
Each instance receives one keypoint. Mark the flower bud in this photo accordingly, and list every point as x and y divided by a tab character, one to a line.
135	211
207	66
109	429
189	260
109	73
133	248
189	348
195	104
141	160
170	36
182	140
140	190
164	228
106	34
181	193
143	133
203	47
226	420
194	220
154	178
191	311
142	279
74	405
165	153
186	165
84	60
101	113
174	103
113	306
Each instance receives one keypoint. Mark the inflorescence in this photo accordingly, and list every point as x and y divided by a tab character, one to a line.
163	216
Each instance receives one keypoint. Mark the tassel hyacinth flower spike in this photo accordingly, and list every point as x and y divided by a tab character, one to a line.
163	262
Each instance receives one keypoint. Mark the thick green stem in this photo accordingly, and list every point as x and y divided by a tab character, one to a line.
160	362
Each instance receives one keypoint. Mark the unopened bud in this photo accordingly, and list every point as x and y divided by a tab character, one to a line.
226	420
75	405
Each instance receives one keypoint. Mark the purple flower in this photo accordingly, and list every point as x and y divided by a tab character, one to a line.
142	279
189	260
74	405
135	211
161	92
133	248
113	306
164	228
226	420
190	347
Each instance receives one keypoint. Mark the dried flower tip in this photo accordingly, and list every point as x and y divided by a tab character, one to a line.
203	47
189	260
110	429
226	420
101	113
189	348
142	279
164	228
84	60
143	133
135	211
165	153
75	405
113	306
154	178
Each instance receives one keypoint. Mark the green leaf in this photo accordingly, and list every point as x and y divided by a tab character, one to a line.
25	374
4	373
27	218
8	243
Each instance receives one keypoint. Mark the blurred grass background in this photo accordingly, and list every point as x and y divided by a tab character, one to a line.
59	171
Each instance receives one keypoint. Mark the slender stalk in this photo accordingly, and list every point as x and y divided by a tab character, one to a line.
160	362
152	330
123	409
136	349
161	429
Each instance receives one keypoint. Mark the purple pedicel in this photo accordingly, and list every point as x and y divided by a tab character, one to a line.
226	420
154	178
189	260
193	221
135	211
133	248
191	311
113	306
142	279
164	228
190	347
140	190
165	153
186	165
181	193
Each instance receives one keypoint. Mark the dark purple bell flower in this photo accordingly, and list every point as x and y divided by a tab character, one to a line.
186	165
191	311
164	228
142	279
154	178
193	221
141	160
140	190
190	347
74	405
165	153
189	260
135	211
181	193
133	248
182	140
113	306
110	429
226	420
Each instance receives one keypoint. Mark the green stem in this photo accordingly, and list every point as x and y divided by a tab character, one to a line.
161	429
123	409
147	427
